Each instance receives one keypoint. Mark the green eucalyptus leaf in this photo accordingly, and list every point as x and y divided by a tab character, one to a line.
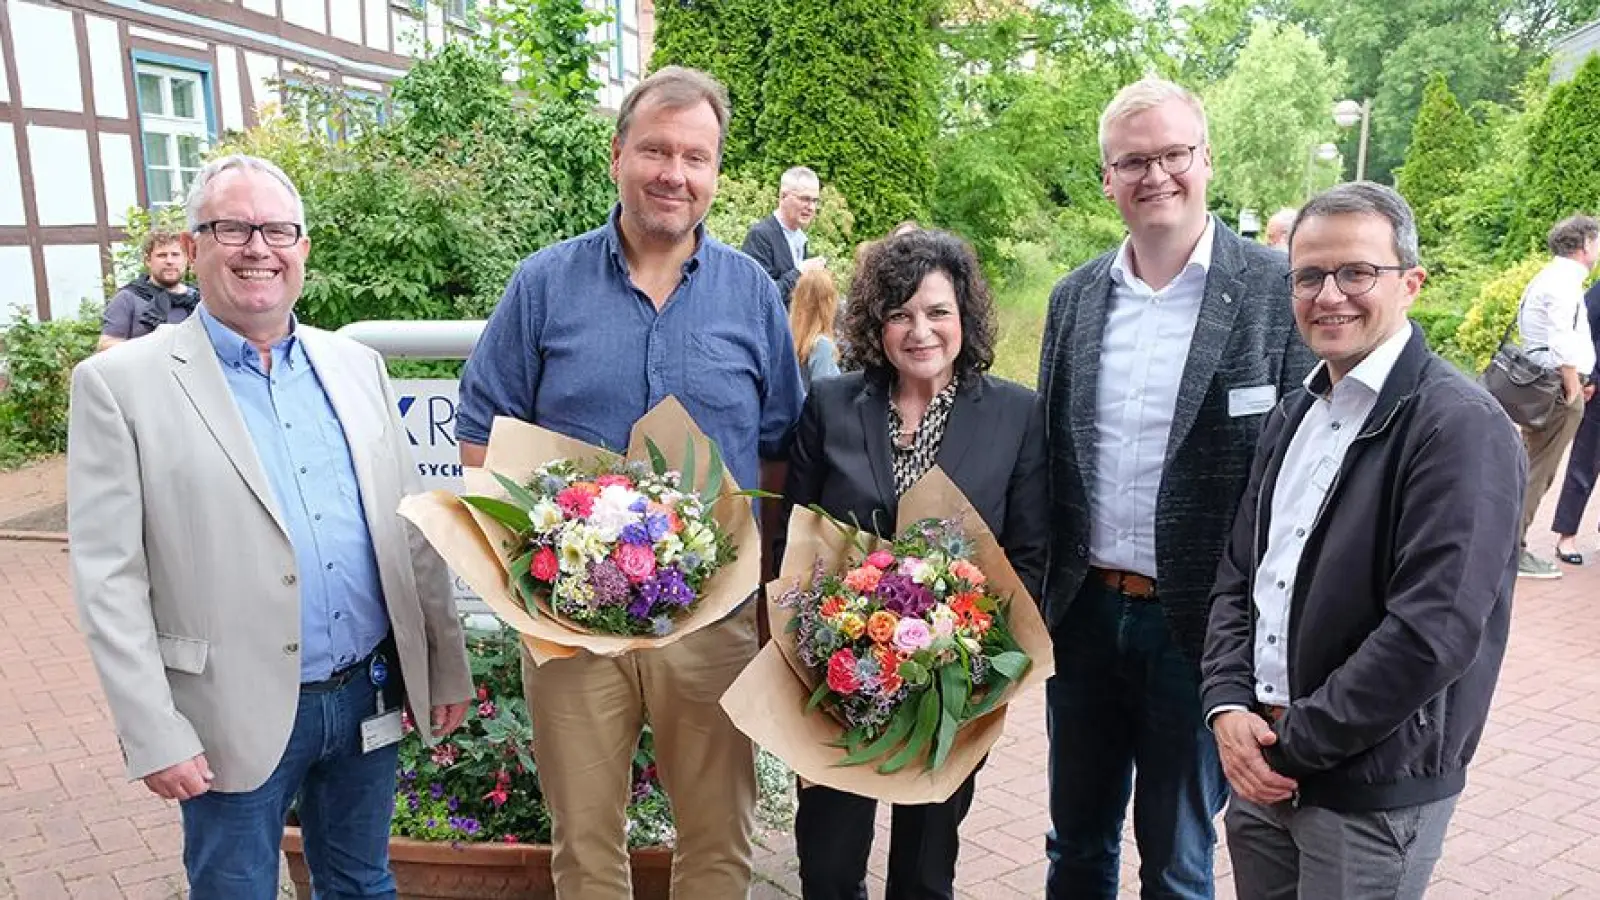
507	514
517	492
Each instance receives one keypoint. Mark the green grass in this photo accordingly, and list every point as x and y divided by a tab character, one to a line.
1020	307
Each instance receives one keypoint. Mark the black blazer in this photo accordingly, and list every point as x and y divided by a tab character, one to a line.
1245	337
766	245
993	450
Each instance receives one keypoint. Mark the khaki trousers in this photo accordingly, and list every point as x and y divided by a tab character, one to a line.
587	713
1545	446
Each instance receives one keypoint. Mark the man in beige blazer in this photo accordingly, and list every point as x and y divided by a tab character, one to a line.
257	611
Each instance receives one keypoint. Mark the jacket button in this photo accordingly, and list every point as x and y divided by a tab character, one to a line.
1083	551
290	579
291	649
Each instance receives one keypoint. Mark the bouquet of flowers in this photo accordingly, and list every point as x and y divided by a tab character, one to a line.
892	653
611	545
582	549
907	645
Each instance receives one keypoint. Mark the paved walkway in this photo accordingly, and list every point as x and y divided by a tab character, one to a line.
1528	826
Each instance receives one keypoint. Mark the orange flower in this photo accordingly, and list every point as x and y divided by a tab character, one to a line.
585	487
880	627
863	580
832	607
968	572
674	524
980	621
888	660
965	604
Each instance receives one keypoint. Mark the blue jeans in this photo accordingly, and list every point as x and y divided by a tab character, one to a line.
1126	700
346	802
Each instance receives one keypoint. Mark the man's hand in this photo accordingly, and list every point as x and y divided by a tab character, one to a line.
1240	737
1588	392
184	781
448	718
814	263
1571	387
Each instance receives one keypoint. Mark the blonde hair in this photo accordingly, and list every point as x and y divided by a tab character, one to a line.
1148	93
812	308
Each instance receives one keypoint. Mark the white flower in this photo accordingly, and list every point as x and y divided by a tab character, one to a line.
580	545
545	517
611	513
668	549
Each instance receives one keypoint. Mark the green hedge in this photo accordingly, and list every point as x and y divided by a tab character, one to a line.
39	359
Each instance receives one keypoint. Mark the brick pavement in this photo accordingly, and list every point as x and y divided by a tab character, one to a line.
1528	825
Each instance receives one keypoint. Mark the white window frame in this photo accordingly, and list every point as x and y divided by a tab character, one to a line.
170	127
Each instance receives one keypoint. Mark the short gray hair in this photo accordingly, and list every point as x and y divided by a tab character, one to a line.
798	177
1568	236
1148	93
1283	218
1366	198
676	87
239	161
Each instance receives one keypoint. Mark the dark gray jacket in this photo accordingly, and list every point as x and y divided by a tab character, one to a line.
766	244
1398	621
1245	337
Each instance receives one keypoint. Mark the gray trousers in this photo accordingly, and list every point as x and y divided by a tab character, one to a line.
1281	852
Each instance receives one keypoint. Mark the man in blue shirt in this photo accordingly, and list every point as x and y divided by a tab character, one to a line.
257	611
590	335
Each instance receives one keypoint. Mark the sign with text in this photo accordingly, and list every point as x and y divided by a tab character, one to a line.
428	411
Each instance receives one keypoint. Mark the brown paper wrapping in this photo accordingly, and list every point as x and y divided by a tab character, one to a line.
480	549
768	700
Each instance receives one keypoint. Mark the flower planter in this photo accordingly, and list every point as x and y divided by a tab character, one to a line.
428	870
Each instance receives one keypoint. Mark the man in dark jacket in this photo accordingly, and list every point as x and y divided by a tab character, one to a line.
158	297
1361	611
778	242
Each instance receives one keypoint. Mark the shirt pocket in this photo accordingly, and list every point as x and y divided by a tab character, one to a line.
721	374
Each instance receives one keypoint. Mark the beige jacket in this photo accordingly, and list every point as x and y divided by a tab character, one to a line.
184	575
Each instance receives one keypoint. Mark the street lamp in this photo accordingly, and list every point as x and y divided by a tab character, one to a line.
1349	112
1318	152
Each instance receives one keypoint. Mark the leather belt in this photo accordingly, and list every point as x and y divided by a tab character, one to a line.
342	677
1128	584
1271	713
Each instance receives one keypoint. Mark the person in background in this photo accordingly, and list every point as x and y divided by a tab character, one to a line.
812	311
1583	464
779	242
1278	228
158	297
1555	330
921	332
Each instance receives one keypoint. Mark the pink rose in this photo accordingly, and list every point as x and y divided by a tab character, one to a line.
881	559
911	635
636	561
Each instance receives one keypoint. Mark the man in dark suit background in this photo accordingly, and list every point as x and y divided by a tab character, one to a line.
1159	363
778	242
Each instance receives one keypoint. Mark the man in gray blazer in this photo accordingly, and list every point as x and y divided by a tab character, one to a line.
1159	363
258	613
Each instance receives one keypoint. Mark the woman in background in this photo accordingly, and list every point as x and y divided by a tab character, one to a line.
812	310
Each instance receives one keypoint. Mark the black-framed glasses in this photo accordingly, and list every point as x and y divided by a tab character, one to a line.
234	233
1132	168
1352	279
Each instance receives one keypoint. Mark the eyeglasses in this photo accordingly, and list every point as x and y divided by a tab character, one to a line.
1352	279
1173	160
234	233
805	200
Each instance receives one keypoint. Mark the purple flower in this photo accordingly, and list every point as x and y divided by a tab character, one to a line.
639	607
639	505
904	597
436	790
661	625
454	804
658	526
413	802
408	775
636	533
432	822
470	826
667	587
611	587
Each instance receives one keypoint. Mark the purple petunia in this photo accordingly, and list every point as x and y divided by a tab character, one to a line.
904	597
436	790
611	587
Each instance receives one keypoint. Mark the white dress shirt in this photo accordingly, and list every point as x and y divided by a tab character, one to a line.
1145	348
1552	317
796	239
1310	467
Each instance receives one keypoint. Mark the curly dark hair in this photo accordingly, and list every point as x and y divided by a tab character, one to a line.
889	273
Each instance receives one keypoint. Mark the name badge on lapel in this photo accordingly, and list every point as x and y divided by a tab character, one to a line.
1251	401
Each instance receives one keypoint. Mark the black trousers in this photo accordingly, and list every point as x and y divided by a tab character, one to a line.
833	838
1582	466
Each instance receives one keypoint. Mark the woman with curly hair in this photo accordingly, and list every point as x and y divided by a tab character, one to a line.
919	331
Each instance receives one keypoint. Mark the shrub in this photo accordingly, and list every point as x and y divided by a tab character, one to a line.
39	360
1563	169
1444	148
1496	305
741	202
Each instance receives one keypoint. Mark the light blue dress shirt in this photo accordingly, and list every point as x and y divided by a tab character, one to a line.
303	450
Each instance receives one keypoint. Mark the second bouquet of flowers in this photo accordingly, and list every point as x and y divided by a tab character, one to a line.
892	661
579	548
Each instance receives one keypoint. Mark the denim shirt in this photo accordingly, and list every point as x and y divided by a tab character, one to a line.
576	348
303	450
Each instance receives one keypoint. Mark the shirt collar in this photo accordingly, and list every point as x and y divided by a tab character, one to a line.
613	237
1371	373
1122	267
786	229
233	349
1570	268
